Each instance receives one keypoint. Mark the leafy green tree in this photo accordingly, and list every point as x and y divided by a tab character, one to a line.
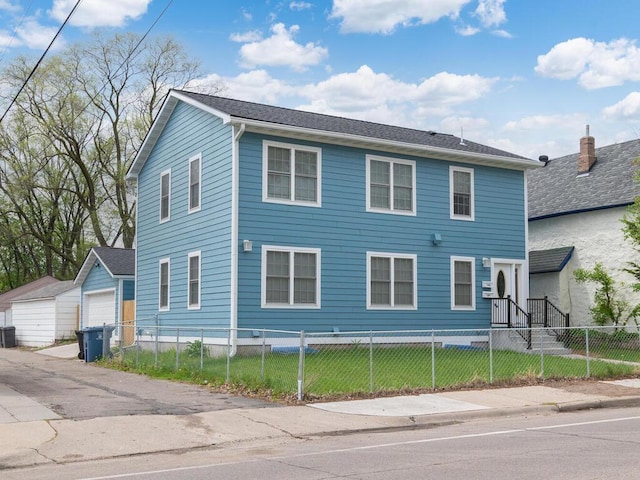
608	307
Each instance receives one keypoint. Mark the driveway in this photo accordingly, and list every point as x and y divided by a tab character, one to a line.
75	390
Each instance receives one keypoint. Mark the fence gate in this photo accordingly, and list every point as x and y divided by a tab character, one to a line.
128	321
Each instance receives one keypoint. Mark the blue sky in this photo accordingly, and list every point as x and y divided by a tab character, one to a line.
522	75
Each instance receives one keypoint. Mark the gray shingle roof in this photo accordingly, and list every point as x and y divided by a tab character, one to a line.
557	189
330	123
547	261
7	297
50	291
119	261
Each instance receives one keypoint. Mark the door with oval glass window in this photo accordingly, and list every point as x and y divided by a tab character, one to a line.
506	284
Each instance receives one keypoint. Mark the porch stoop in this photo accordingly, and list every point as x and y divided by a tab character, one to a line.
543	340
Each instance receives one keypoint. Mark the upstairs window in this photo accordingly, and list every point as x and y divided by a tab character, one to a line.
391	281
391	186
291	277
461	190
194	183
165	196
291	174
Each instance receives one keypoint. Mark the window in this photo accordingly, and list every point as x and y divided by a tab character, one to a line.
463	279
461	188
163	289
391	185
391	281
194	183
165	196
194	281
291	277
291	174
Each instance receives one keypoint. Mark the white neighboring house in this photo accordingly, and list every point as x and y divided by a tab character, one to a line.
47	314
576	204
7	297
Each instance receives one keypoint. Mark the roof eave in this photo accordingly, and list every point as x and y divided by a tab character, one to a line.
258	126
158	126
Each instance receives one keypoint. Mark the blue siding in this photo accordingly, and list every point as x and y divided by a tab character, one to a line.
188	132
345	231
128	290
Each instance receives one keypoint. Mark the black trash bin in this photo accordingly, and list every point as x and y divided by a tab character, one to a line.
8	337
80	335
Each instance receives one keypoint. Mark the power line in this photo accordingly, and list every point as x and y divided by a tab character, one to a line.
33	71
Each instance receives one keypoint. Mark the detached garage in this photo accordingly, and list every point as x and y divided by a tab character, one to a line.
45	315
108	290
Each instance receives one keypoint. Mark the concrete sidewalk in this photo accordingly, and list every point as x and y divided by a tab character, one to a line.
33	434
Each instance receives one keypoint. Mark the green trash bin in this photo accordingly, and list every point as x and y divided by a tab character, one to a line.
94	339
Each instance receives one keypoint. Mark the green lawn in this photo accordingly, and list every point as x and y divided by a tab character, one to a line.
344	371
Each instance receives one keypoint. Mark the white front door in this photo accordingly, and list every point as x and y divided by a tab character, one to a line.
507	283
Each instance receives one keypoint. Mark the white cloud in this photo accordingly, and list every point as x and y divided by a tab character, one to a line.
7	6
594	64
252	36
281	50
491	13
545	122
300	5
98	13
501	33
36	36
383	16
625	109
467	30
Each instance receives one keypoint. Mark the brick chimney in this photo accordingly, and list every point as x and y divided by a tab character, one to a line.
587	153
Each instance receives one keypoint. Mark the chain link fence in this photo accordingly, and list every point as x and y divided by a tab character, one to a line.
333	364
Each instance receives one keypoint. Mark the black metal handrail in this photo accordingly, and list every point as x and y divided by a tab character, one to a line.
508	313
546	314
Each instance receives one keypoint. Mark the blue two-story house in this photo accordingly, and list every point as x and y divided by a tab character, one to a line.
258	217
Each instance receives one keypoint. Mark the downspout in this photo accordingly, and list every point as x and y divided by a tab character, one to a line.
235	184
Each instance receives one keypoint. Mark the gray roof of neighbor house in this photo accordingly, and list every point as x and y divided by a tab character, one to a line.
557	189
319	127
551	260
119	262
50	291
7	297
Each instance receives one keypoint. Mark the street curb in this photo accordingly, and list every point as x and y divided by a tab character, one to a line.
622	402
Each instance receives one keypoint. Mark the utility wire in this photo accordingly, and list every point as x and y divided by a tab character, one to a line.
33	71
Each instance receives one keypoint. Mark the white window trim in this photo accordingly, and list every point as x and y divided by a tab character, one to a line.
471	260
391	209
415	281
166	261
452	215
290	250
163	220
197	157
265	173
191	255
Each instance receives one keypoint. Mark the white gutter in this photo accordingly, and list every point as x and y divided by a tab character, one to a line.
235	184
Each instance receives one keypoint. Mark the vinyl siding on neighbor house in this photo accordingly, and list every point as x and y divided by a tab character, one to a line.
189	131
344	232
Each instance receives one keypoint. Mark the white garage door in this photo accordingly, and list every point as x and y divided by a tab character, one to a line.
99	309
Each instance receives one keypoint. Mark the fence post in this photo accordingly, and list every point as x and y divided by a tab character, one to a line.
370	361
177	348
155	361
509	311
121	343
264	349
228	356
586	343
301	367
490	356
201	349
433	360
542	353
137	333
